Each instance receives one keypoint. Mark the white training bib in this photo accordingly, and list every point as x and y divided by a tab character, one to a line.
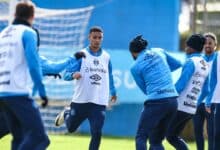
187	100
93	86
14	73
216	93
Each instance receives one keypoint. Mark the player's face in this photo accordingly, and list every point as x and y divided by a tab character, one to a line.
209	46
95	39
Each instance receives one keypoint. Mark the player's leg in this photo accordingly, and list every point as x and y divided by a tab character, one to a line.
158	133
11	120
25	113
72	116
198	123
149	121
210	127
175	128
145	126
96	118
217	127
4	130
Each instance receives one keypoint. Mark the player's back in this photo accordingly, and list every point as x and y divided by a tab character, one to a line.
155	71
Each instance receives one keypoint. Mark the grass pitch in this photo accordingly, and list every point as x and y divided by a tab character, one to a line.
81	142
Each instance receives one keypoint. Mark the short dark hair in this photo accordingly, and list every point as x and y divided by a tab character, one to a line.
95	29
137	44
196	42
212	36
24	10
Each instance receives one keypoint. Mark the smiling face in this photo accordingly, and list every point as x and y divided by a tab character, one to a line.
210	45
95	39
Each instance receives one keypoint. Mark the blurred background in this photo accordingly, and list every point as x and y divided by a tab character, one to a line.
64	26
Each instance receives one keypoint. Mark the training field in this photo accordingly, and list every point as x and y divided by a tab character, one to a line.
80	142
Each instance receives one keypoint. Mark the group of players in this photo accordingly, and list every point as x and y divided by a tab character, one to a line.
167	107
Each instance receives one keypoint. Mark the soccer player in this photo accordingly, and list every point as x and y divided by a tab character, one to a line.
201	113
193	80
49	68
94	84
19	65
214	99
152	73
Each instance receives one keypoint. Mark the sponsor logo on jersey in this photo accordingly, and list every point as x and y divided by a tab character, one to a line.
195	90
166	91
190	104
96	62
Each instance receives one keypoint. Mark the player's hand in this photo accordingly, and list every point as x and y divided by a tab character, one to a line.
112	102
208	109
77	75
44	101
113	99
54	75
79	55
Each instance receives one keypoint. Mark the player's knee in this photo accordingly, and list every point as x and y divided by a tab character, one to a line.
42	142
39	140
71	130
45	142
43	139
17	140
138	140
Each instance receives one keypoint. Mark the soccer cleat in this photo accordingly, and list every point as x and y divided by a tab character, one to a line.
60	117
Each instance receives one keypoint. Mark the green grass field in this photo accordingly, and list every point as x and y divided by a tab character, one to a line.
80	142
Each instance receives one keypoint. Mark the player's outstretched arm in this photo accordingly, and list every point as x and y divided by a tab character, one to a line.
53	67
73	67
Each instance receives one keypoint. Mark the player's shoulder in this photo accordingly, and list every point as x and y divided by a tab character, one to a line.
25	28
157	49
133	66
28	32
105	52
21	29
